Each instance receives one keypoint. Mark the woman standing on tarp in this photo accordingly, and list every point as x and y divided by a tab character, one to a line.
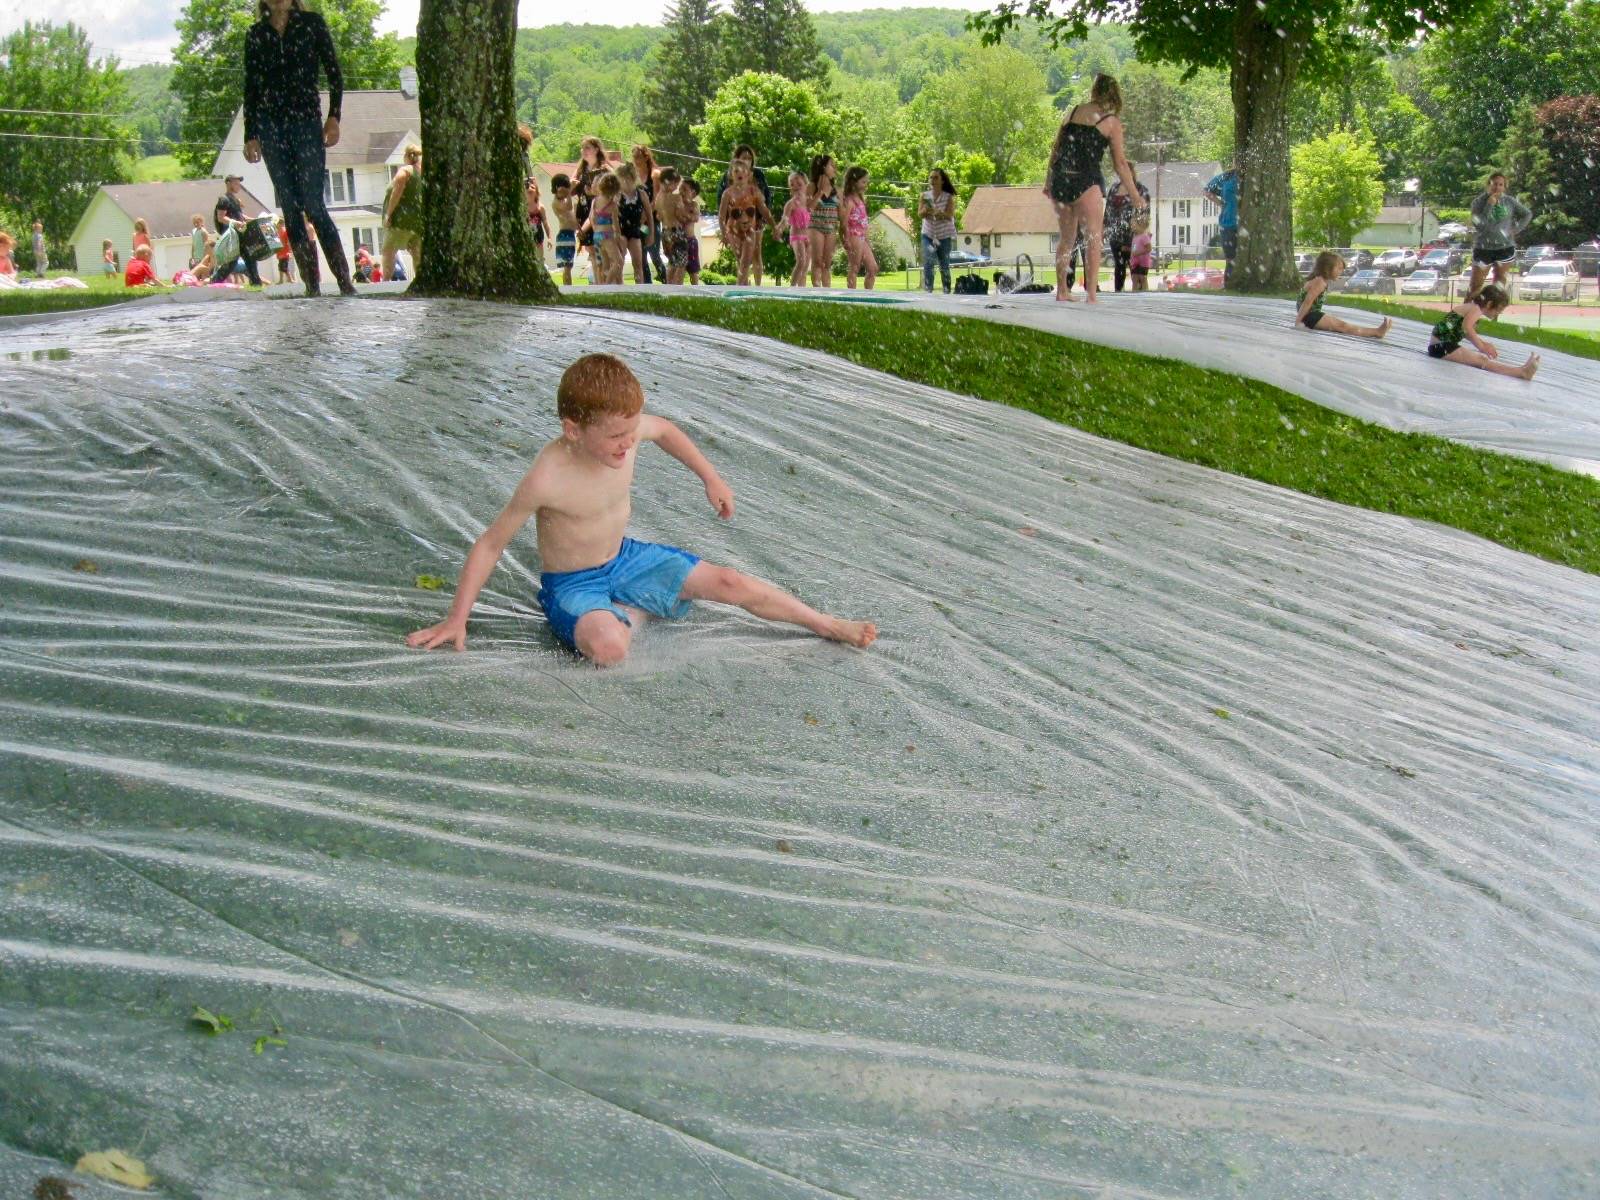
283	124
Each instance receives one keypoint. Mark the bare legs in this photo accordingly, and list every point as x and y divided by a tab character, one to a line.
1086	211
1334	325
802	261
1473	358
822	247
859	258
604	640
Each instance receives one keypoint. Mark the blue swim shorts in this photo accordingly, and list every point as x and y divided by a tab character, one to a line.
642	574
566	247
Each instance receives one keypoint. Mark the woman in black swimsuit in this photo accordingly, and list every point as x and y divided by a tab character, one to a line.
1073	181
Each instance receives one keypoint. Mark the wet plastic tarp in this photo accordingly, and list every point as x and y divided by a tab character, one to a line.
1555	418
1179	837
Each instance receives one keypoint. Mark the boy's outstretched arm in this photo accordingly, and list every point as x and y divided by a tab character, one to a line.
676	443
480	564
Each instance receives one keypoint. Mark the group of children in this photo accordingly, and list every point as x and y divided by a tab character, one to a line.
634	211
1451	334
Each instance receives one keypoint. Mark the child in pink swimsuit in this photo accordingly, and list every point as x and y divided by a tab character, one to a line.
857	250
797	216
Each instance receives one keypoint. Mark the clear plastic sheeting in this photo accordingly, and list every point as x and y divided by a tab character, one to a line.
1179	837
1555	418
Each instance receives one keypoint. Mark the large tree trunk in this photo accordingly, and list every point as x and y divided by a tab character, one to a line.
476	239
1263	71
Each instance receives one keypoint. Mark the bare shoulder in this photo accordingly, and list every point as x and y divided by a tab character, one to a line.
652	427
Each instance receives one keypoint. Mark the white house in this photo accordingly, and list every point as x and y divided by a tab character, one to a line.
1400	225
374	129
1003	222
168	209
895	225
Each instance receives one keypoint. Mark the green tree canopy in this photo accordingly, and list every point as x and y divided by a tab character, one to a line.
786	122
994	102
774	37
683	74
209	77
1474	76
45	174
1337	188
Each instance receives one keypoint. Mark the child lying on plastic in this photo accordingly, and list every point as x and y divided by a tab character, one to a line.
596	583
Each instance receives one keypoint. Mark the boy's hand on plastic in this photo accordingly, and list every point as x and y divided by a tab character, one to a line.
721	497
1490	349
445	632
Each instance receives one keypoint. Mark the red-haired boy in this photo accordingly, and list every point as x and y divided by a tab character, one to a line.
596	582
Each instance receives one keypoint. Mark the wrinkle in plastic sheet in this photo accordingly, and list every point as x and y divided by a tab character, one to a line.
1180	836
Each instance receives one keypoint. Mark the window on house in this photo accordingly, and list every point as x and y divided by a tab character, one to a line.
339	187
1180	235
1180	208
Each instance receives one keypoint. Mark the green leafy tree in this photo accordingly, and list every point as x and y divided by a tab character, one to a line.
775	37
1161	105
995	103
683	75
1267	46
209	76
49	176
1337	187
1566	186
786	123
1474	76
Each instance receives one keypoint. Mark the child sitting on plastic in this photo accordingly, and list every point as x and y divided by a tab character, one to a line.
1460	325
597	583
1328	267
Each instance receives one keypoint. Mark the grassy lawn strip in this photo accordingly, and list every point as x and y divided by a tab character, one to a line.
1580	345
1190	413
20	303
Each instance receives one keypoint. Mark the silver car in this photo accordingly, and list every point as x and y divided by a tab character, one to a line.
1549	279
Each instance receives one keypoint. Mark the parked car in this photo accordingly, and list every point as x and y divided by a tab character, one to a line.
1354	260
1371	281
1587	256
1304	263
1446	260
1533	254
1199	279
1551	279
1423	282
1396	262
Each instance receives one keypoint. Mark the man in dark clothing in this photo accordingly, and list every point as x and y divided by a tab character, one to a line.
1119	228
229	208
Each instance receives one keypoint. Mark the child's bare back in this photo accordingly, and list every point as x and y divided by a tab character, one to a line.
595	580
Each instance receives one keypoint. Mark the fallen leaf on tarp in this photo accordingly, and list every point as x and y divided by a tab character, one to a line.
811	719
1223	713
87	565
52	1187
784	847
431	583
116	1166
1028	531
266	1040
348	938
212	1023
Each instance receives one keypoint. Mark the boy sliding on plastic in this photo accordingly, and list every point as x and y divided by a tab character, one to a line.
1460	325
1329	266
596	582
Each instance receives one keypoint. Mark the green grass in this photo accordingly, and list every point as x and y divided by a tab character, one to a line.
158	168
103	289
1186	412
1580	343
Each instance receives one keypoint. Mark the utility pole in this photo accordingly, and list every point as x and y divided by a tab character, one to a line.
1160	147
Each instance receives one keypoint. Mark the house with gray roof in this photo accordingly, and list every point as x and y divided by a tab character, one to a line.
168	209
1003	222
374	130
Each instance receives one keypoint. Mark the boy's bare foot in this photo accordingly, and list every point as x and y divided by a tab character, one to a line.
1529	367
1383	328
860	634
